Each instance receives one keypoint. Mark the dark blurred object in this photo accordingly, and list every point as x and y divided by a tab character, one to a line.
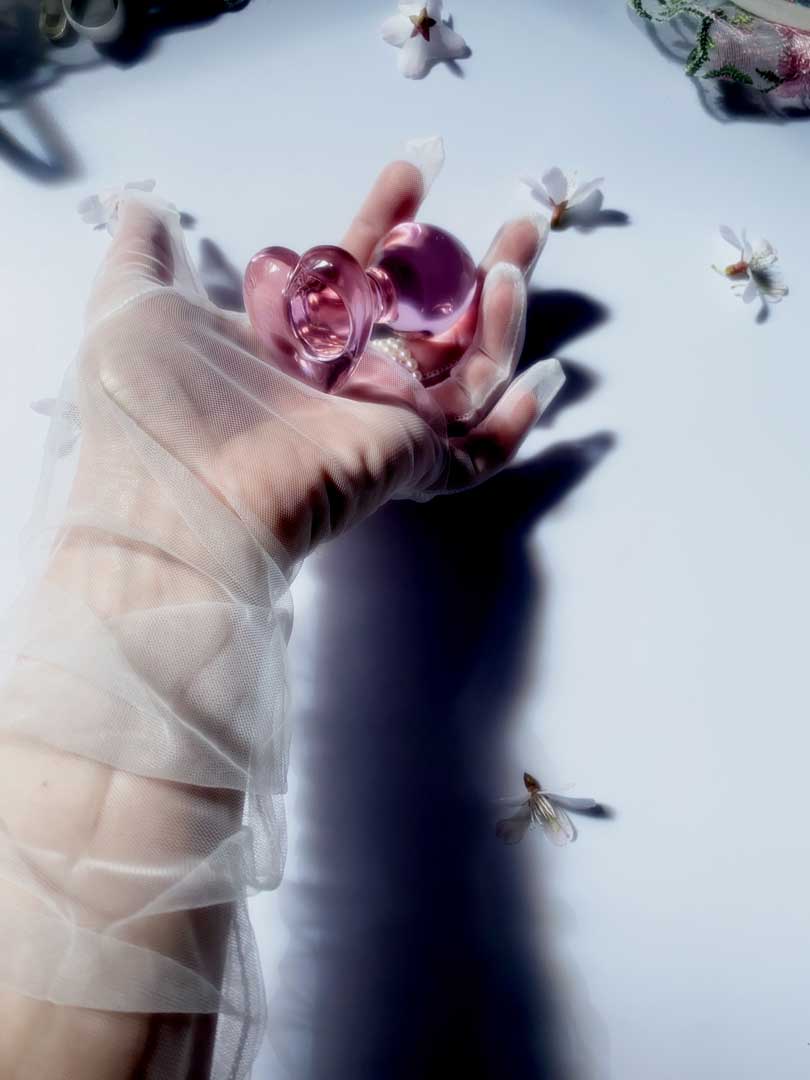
147	19
101	21
42	40
104	22
53	21
28	63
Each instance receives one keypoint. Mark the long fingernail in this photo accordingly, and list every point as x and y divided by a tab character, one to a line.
427	154
508	272
541	224
544	380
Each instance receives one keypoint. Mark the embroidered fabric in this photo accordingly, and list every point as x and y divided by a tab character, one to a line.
762	44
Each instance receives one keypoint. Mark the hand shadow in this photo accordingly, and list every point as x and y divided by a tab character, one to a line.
416	943
42	152
51	159
555	316
221	279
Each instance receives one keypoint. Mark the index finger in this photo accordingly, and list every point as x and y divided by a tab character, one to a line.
141	244
147	251
395	197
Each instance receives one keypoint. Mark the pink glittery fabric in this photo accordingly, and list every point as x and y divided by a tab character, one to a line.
795	64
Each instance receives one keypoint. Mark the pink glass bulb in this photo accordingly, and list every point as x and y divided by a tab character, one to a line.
420	281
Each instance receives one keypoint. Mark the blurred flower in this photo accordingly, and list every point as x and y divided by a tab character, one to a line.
559	191
753	274
102	209
423	37
543	808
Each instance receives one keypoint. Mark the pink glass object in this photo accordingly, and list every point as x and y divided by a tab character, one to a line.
420	281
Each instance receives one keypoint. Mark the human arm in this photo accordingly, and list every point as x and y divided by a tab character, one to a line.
205	474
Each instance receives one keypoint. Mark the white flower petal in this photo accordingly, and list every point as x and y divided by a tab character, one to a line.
414	58
141	185
512	829
556	184
446	44
561	829
746	248
750	292
571	803
538	191
428	156
731	237
92	211
396	30
764	257
584	190
434	9
770	285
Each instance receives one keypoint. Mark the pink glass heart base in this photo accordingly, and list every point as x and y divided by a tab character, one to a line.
325	305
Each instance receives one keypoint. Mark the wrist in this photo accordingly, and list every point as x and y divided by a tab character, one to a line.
114	576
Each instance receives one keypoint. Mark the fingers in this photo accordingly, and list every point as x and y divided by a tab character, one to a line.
496	440
520	242
482	374
141	245
395	197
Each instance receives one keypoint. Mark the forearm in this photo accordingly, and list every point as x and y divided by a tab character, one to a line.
71	804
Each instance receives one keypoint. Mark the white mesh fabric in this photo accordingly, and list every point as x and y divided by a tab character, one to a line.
143	699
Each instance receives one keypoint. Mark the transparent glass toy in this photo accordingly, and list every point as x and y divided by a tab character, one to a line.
420	281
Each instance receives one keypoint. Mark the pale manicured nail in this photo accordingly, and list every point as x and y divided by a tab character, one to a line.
544	380
542	225
427	154
502	271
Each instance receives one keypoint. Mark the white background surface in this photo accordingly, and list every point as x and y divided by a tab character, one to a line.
665	665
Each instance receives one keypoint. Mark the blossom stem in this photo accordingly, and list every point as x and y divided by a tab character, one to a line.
557	213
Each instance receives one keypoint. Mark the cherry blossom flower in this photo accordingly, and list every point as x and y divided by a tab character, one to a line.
753	274
102	210
423	37
543	808
559	191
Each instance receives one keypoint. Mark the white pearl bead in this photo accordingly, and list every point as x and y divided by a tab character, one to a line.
399	352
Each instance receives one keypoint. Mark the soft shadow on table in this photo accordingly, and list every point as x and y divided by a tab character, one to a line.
220	277
724	101
53	160
417	943
27	65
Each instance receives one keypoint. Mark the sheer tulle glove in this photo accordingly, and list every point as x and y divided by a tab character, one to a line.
187	472
301	464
